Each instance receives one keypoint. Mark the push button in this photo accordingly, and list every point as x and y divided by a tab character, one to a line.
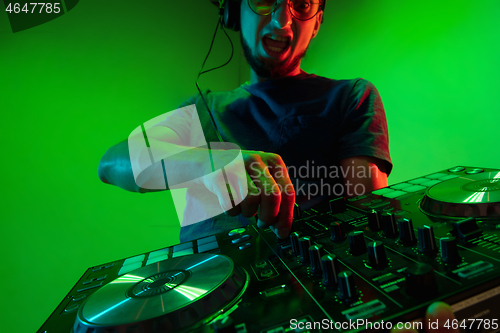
235	232
241	239
244	246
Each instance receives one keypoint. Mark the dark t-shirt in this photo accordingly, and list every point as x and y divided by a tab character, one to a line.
312	122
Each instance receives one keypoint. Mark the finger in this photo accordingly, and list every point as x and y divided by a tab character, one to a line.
437	315
284	219
270	194
235	211
233	191
250	204
216	184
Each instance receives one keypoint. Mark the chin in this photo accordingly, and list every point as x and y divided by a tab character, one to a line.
270	68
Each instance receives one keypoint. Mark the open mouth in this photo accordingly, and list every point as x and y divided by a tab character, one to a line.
276	45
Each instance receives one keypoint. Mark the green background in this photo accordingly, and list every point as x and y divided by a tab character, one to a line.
73	87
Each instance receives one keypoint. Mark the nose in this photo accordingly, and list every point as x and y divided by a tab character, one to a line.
281	15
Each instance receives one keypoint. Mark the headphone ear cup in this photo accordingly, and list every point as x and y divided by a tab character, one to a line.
232	14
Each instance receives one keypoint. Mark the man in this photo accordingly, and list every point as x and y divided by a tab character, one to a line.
285	121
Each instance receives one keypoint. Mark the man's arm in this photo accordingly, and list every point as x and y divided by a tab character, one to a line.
364	173
115	167
267	186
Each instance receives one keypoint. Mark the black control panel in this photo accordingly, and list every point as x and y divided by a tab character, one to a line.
349	265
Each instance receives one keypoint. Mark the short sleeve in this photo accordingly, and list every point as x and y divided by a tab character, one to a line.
363	128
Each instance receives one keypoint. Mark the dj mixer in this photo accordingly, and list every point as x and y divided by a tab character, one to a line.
367	263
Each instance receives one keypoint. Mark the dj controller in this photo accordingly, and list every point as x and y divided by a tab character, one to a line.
367	263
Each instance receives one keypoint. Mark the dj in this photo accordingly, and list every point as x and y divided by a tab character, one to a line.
283	119
304	138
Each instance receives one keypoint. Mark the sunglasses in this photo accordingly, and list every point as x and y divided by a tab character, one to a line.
300	9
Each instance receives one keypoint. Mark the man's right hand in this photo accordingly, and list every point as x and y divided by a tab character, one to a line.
270	190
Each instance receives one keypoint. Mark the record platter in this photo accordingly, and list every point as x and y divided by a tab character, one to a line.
471	195
174	295
366	263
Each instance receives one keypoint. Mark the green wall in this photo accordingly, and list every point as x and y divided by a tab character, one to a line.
436	66
71	88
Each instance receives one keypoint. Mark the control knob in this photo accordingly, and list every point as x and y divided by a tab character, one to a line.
315	253
294	240
376	255
390	225
347	288
426	241
338	205
449	250
357	243
337	231
304	244
330	266
420	281
406	232
374	223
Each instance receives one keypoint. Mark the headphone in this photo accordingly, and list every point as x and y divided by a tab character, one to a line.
230	12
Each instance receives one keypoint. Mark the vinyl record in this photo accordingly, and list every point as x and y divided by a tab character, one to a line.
171	295
474	195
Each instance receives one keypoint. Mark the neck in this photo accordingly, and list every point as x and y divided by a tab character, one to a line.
254	78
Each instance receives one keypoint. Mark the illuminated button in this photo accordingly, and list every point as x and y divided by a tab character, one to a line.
394	194
208	247
134	260
130	268
183	246
382	191
391	288
156	259
456	169
364	310
159	253
206	240
235	232
474	171
415	188
90	287
241	239
181	253
71	307
448	177
98	268
385	278
431	183
100	278
400	186
473	269
261	264
418	181
436	175
244	246
79	298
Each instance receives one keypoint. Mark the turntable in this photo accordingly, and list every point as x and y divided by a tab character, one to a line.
349	266
174	295
471	195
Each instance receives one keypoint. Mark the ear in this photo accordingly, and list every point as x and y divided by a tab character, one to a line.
318	19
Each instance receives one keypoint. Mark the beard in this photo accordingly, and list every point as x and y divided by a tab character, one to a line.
269	69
